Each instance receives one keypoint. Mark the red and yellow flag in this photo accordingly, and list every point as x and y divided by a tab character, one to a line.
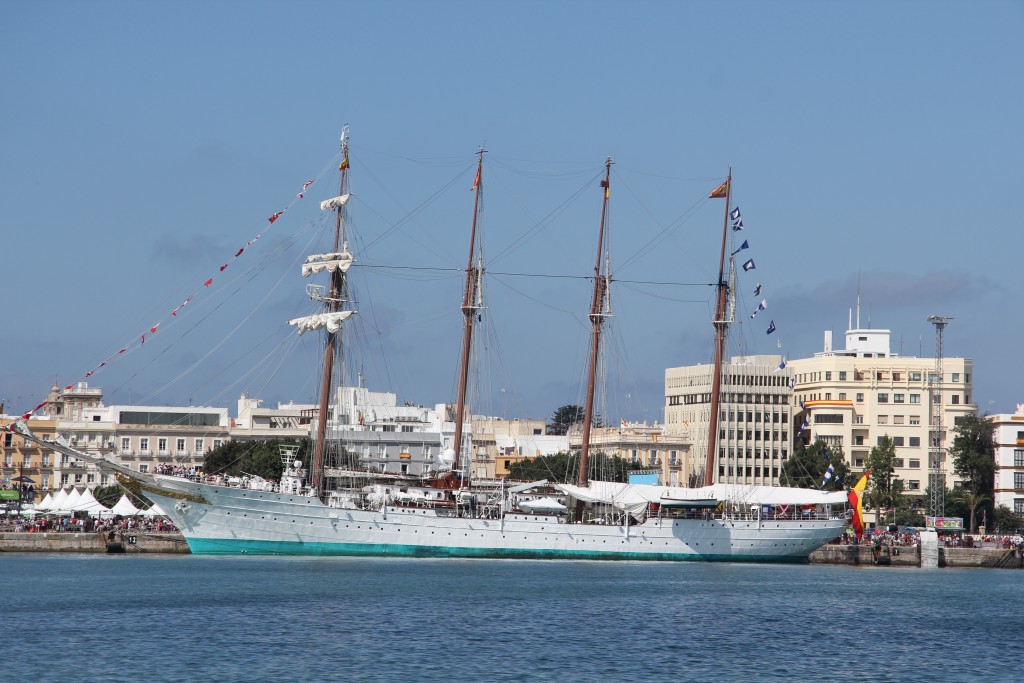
856	498
476	180
344	164
720	192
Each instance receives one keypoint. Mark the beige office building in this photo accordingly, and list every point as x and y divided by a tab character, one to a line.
860	394
754	426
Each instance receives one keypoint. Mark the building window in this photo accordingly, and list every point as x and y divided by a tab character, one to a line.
161	444
896	376
180	443
883	398
915	376
858	462
860	397
897	398
1018	507
828	376
143	468
897	441
1018	480
883	419
956	399
828	418
897	462
915	464
914	441
1018	457
78	478
46	459
858	419
199	447
915	398
217	443
915	419
913	485
126	443
858	441
842	375
143	445
956	376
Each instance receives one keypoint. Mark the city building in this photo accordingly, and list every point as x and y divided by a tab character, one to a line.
754	422
287	421
644	446
497	443
1008	435
856	396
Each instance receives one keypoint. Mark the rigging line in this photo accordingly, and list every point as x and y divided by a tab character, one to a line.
226	337
664	232
538	301
695	179
538	275
409	216
533	230
660	296
441	161
586	170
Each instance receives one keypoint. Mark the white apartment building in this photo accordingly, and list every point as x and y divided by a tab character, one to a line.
856	396
1008	436
254	422
754	425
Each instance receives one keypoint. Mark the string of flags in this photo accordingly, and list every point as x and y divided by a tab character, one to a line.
722	191
140	341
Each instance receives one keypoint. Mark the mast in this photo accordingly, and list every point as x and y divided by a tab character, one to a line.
470	305
598	312
721	324
332	305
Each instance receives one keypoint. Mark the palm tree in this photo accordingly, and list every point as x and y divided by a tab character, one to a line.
972	501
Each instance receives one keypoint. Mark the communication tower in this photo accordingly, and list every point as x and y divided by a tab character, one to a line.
936	436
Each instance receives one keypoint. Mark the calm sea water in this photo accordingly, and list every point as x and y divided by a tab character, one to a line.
184	618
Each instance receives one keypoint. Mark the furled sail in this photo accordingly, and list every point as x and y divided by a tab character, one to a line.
332	321
335	203
317	263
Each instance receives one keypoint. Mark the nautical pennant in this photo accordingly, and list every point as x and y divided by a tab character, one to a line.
735	213
771	327
760	307
757	290
743	246
737	226
749	265
828	475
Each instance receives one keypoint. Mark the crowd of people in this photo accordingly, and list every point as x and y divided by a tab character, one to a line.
51	524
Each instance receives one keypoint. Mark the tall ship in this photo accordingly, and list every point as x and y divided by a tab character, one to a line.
329	506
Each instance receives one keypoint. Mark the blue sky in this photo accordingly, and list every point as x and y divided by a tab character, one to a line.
875	147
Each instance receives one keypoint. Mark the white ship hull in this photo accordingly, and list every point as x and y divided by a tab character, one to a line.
240	521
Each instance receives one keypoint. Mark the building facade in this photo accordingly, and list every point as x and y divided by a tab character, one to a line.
1008	435
754	421
856	396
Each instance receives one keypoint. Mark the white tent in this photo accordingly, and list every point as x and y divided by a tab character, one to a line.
73	498
88	504
59	503
124	507
44	504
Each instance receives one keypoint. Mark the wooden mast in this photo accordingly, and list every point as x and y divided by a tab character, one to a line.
721	325
333	304
597	316
469	308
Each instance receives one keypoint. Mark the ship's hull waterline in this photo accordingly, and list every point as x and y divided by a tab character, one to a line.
232	521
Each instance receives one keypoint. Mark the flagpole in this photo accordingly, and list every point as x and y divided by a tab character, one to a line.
720	324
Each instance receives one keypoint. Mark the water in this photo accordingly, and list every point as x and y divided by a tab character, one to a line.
182	618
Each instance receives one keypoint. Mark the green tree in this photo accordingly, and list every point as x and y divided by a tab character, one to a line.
972	501
108	495
882	493
563	468
566	416
806	467
973	453
262	458
1004	521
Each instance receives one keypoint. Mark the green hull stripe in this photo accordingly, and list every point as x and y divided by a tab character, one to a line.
215	546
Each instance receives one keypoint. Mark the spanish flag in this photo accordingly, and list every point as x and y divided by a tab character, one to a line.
720	192
856	498
476	180
344	164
